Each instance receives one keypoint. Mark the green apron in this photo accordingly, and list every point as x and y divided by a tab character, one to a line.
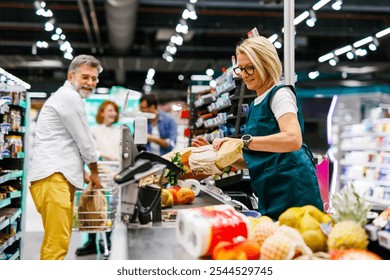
280	180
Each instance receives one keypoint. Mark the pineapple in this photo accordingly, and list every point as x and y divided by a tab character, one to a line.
349	206
350	214
347	235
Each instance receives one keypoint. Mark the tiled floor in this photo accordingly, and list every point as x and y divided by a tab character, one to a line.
33	235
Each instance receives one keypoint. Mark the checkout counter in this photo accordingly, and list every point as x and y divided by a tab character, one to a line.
154	240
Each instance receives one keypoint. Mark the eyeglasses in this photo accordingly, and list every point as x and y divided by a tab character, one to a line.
86	78
249	70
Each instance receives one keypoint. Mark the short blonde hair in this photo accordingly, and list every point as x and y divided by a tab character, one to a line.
262	53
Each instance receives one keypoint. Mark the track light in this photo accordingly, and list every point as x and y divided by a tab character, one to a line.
374	45
361	52
278	44
334	61
351	54
177	39
336	5
182	27
312	20
314	74
49	26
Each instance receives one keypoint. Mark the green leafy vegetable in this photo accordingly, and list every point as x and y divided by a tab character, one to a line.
172	176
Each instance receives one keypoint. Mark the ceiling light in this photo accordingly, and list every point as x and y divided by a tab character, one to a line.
336	5
333	61
383	33
314	74
210	72
361	52
42	44
177	39
49	26
193	1
68	56
278	45
180	77
312	20
273	38
350	55
320	4
182	26
363	42
301	17
47	13
213	83
55	37
325	57
374	45
151	73
171	49
149	81
343	50
186	14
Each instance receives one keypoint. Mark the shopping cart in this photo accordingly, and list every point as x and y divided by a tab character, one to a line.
104	220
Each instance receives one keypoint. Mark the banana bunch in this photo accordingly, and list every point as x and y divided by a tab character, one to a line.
307	220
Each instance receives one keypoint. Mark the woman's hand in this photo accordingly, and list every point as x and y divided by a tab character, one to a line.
199	141
217	143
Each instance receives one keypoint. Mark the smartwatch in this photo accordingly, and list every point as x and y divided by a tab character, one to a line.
246	139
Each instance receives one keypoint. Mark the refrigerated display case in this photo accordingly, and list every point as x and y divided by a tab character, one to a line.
358	133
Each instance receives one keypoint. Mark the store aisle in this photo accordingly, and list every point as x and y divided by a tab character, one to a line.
33	235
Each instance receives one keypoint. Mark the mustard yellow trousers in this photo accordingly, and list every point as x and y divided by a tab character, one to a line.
54	197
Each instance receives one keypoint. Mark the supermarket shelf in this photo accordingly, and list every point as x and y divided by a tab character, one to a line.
362	148
367	164
11	219
15	256
380	203
4	224
363	180
10	176
15	194
5	202
369	134
10	241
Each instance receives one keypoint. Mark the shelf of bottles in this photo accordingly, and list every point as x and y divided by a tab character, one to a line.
13	124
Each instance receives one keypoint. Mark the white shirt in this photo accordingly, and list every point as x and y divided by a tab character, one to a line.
283	101
107	139
63	140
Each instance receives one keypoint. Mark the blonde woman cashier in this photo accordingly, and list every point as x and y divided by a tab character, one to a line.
280	165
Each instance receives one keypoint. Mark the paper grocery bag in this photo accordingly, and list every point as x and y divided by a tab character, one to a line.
92	209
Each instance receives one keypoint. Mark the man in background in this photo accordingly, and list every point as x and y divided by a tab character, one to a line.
63	143
162	130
